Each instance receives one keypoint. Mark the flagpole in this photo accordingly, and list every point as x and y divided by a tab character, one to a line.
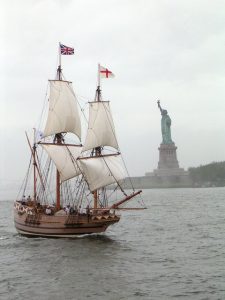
59	55
99	75
59	70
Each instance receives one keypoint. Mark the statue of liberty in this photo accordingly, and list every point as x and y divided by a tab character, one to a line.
165	126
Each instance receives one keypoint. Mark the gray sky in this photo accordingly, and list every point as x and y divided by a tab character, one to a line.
157	49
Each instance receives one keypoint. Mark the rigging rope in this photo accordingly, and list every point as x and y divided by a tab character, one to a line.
25	180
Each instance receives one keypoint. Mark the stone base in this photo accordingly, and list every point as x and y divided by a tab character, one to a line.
167	172
168	157
154	181
168	164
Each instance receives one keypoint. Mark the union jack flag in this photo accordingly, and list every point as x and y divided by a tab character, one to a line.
66	50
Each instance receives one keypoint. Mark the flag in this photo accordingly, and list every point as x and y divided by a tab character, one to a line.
66	50
105	73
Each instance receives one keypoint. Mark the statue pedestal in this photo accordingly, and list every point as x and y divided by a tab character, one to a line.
168	174
168	164
168	157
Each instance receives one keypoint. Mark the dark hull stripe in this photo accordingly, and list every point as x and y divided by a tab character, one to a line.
62	232
30	233
95	225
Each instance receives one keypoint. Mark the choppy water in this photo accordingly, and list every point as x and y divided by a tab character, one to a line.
173	250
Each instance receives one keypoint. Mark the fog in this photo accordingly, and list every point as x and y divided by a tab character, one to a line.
167	50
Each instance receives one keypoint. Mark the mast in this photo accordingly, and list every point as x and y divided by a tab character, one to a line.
33	152
35	177
62	117
35	169
59	70
58	140
97	150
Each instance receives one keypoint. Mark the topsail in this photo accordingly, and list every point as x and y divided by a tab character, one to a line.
101	131
63	113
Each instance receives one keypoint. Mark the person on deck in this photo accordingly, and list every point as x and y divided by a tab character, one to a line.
28	200
87	210
72	211
67	209
23	200
48	211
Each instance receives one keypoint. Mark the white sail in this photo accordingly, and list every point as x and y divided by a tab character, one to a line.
102	171
64	158
63	113
101	131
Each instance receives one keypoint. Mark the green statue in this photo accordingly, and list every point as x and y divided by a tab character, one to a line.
165	126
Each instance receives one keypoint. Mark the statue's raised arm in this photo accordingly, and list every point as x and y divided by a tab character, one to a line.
165	126
159	106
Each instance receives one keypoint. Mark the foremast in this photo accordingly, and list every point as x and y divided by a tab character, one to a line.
98	150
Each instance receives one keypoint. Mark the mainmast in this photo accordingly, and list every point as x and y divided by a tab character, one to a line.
63	117
58	140
97	150
59	72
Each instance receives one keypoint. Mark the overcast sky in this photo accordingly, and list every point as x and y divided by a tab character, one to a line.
172	50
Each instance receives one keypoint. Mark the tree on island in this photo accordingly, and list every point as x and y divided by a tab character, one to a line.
212	174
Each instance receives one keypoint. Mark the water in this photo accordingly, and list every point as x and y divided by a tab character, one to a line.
173	250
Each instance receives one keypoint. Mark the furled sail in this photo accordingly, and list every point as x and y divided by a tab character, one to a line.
63	113
101	131
103	170
64	158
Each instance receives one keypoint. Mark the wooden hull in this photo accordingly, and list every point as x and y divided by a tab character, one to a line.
61	226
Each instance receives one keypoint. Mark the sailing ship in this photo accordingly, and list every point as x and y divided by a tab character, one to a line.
70	180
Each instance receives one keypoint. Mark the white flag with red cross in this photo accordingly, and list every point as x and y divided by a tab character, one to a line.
105	73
